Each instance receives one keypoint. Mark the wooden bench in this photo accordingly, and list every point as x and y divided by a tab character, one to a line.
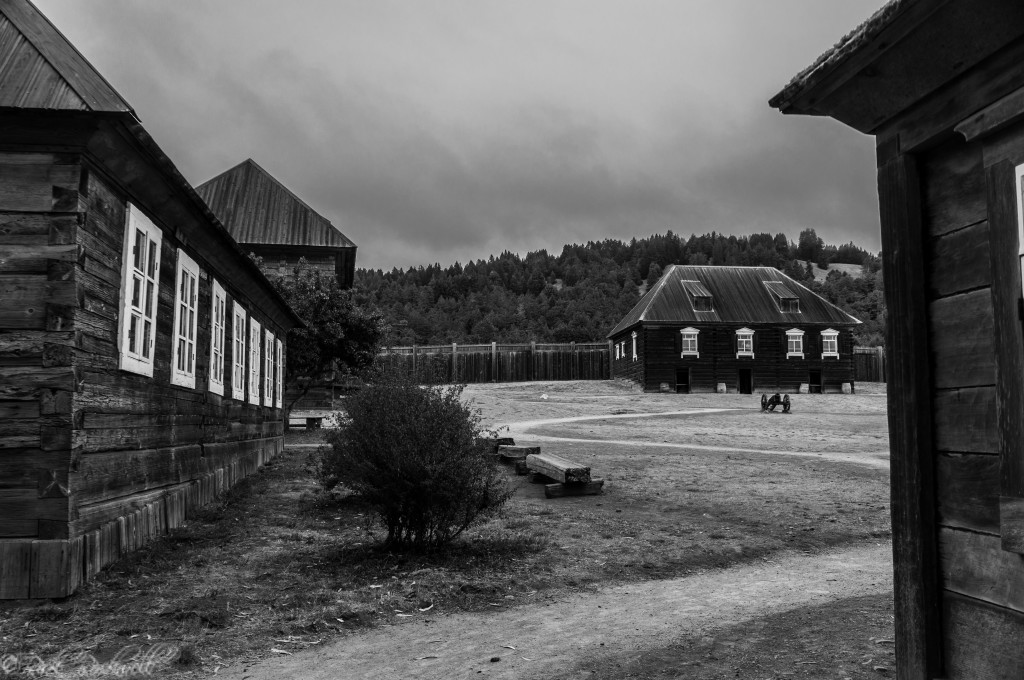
511	454
572	478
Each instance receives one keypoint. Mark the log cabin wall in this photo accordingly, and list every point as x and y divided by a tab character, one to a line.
622	365
98	461
771	371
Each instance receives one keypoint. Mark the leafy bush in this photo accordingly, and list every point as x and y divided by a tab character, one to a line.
411	453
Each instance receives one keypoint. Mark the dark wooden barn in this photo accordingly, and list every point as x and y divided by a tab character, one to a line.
141	350
940	85
734	329
269	220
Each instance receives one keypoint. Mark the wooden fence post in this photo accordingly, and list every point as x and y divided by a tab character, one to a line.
414	355
494	361
455	363
573	369
532	374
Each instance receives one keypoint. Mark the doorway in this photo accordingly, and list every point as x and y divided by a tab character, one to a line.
814	382
682	380
746	381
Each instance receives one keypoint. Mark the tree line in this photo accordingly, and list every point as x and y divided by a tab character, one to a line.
581	293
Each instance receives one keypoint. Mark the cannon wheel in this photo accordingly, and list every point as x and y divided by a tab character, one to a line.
764	402
785	404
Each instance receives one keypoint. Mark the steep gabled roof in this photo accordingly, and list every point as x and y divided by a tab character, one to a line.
741	295
41	69
256	208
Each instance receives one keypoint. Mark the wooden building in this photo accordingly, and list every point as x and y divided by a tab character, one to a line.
940	85
735	329
269	220
141	350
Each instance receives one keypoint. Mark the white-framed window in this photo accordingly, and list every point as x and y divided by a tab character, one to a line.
140	288
279	372
794	344
186	320
254	361
238	375
268	368
218	317
688	343
744	343
830	344
634	346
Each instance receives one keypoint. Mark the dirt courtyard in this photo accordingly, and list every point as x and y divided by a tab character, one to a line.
654	450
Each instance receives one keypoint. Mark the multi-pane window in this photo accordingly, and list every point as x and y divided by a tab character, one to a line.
254	361
139	291
634	346
702	303
794	344
268	368
830	343
186	301
238	353
279	372
688	342
218	316
744	343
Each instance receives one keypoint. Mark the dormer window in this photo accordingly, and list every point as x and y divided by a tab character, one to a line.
688	343
744	343
700	297
794	344
785	299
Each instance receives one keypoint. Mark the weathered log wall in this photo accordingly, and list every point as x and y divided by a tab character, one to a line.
94	460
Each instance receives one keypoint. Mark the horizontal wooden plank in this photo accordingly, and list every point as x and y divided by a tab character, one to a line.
962	340
591	488
975	565
28	344
38	187
960	260
26	382
967	488
20	468
953	183
981	641
104	476
558	468
19	228
23	300
18	512
965	420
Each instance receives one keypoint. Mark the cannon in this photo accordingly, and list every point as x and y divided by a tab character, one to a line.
770	403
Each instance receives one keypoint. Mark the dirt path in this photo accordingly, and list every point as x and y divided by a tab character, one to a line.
523	433
551	636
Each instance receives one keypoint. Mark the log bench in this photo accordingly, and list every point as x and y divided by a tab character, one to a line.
572	478
511	454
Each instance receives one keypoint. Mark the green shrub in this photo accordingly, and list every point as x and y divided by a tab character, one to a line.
410	452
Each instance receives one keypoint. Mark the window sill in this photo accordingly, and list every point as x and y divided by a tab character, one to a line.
183	380
740	355
794	355
830	355
695	355
136	366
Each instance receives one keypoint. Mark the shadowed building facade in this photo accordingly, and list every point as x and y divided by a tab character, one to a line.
735	329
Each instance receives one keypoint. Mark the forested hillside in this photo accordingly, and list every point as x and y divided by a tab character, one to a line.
581	293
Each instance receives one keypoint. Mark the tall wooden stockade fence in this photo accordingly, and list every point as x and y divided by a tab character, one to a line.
500	362
869	364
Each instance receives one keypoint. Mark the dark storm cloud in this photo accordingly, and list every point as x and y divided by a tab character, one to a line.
456	129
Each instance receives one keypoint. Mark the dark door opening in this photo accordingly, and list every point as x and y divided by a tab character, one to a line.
683	380
746	381
814	382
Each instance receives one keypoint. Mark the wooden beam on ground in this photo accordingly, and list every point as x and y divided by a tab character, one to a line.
513	453
558	468
591	488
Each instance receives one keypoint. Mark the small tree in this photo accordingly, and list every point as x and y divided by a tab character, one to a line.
340	334
412	454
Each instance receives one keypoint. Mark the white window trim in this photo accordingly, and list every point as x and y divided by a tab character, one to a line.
238	336
685	352
138	362
795	333
616	350
255	361
183	376
218	324
634	346
268	368
744	333
834	336
279	367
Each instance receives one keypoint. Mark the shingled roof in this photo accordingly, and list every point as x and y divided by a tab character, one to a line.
740	295
256	208
41	69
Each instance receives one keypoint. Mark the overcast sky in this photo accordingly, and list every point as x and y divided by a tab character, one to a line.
444	130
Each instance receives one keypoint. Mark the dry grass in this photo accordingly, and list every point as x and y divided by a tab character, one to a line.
276	565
